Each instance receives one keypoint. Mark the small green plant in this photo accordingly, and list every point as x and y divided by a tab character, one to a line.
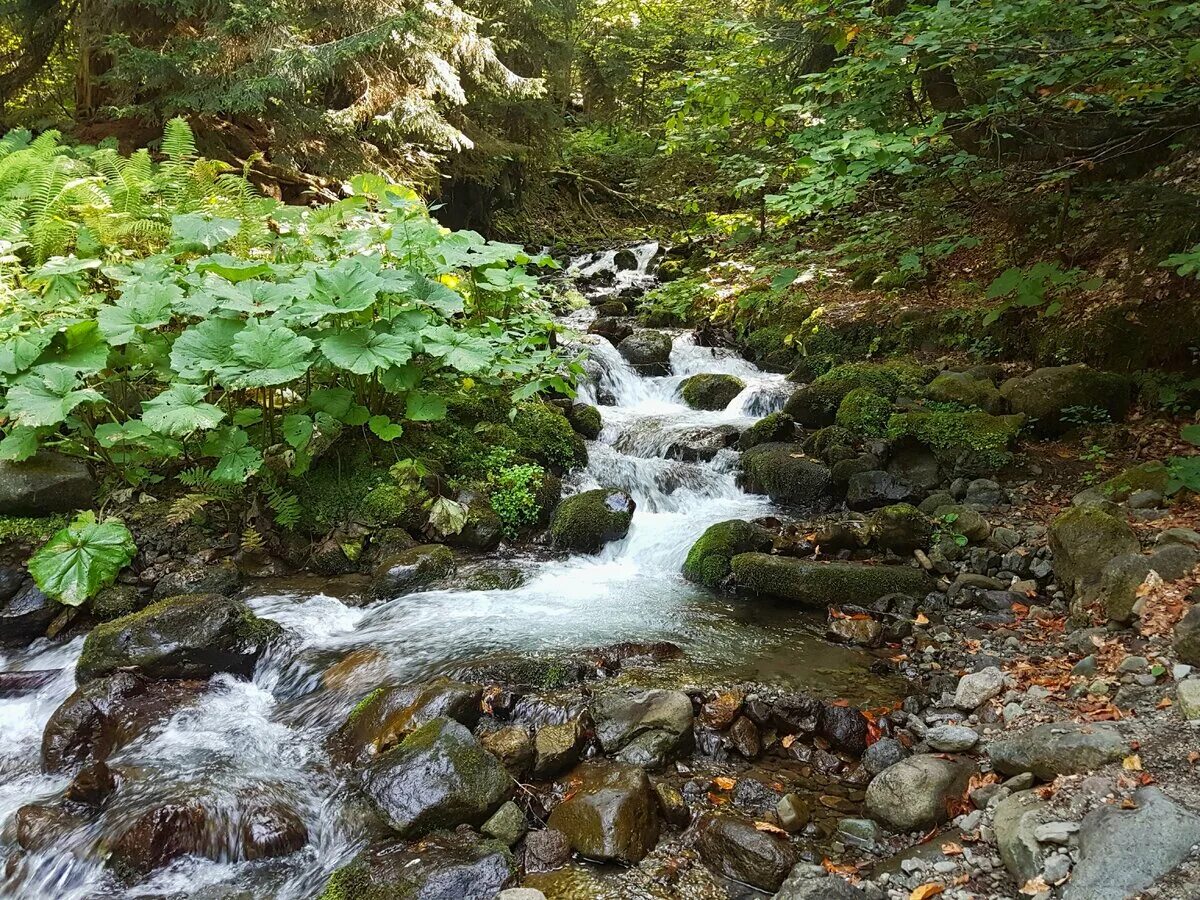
1097	455
945	530
1041	286
514	496
1084	416
82	558
1183	472
1185	264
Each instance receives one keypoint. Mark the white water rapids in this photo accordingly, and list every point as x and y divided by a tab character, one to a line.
266	737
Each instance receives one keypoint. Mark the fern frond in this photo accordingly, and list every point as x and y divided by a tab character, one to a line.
252	541
185	508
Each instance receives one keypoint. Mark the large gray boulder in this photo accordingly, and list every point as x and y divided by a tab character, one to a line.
611	815
1122	852
647	730
1059	748
1058	397
808	881
914	793
46	484
1083	540
437	778
786	475
26	613
649	352
1016	819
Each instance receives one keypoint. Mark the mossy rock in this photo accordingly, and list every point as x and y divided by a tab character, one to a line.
117	600
482	530
1059	398
586	522
612	309
829	443
769	348
541	432
707	562
778	427
648	352
966	391
901	528
395	503
412	570
195	636
1083	539
969	443
381	719
585	419
864	412
711	391
786	475
963	520
815	405
820	584
1149	476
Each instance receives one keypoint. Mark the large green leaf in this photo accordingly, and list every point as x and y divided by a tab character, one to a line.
425	407
78	347
270	355
46	396
384	428
82	558
19	444
236	459
435	294
459	350
231	268
348	287
206	349
19	352
142	305
181	410
363	350
197	231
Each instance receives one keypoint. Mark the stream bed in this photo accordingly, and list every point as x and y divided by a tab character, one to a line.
266	738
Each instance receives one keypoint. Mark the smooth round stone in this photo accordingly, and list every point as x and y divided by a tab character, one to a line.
951	738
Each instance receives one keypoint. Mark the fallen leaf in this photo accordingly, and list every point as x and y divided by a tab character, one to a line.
770	829
1034	886
838	868
1193	757
1132	763
952	849
1165	702
925	891
717	799
788	740
921	619
724	782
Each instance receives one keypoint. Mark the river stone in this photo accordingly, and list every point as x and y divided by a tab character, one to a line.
979	687
1187	638
27	614
513	746
1017	818
1174	561
38	826
914	792
901	528
880	755
733	847
778	427
874	488
951	738
220	577
411	570
786	475
585	419
1059	748
707	562
161	835
437	777
47	483
963	520
712	391
648	729
672	804
614	329
1122	852
443	866
822	584
194	636
702	444
648	352
916	467
1083	539
1119	581
610	816
546	850
105	714
807	881
965	390
384	717
844	727
557	748
1046	394
586	522
507	824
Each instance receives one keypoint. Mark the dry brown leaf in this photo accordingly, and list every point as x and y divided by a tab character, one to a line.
925	891
921	619
788	740
1034	886
1193	757
770	829
1165	702
724	782
952	849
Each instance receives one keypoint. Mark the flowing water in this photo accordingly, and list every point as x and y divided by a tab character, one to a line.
244	741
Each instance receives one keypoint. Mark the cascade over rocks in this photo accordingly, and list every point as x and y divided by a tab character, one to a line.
649	352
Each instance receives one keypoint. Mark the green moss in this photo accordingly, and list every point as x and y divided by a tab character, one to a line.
822	440
778	426
395	503
1149	476
585	419
115	601
333	491
585	522
901	528
770	349
821	584
971	441
711	391
965	391
361	707
514	497
542	433
28	530
707	562
888	379
864	412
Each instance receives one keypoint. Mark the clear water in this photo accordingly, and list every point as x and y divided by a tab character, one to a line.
266	737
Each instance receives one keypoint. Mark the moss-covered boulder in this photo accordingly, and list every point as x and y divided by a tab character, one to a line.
822	584
1059	398
395	502
864	412
116	600
968	443
483	528
712	391
444	866
438	777
411	570
1148	476
965	390
831	444
707	562
778	427
585	419
586	522
612	308
815	405
901	528
195	636
648	351
785	475
541	432
1083	539
216	577
610	814
381	720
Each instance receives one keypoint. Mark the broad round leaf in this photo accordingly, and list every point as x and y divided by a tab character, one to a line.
363	350
82	558
270	355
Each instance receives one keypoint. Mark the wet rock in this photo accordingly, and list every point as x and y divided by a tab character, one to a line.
117	600
585	419
546	850
614	329
586	522
648	729
821	584
649	352
1046	394
220	577
1119	582
702	444
778	427
966	391
1017	818
105	714
673	806
793	812
753	794
720	712
901	528
383	718
39	826
161	835
858	629
711	391
46	484
868	490
444	866
557	748
611	815
27	614
979	687
195	636
708	562
858	833
744	738
92	785
411	570
880	755
1122	852
811	882
270	829
438	777
513	746
1187	638
1059	748
483	530
733	847
844	727
914	793
785	475
506	825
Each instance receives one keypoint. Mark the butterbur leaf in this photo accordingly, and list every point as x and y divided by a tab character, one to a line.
19	444
447	517
46	396
233	269
269	355
384	428
181	410
435	294
1191	434
297	430
425	408
192	231
143	304
400	378
460	351
357	415
348	287
363	350
236	466
19	352
334	401
206	349
80	347
1005	283
82	558
244	418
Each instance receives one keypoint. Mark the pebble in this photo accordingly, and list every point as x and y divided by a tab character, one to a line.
1085	667
978	687
951	738
1133	664
1055	832
1179	671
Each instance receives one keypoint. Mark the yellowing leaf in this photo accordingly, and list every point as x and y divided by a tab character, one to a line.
770	829
1132	763
925	891
724	782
